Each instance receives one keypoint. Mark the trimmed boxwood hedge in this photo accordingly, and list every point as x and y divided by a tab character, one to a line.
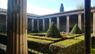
70	46
43	38
76	30
53	31
33	43
66	46
39	45
93	51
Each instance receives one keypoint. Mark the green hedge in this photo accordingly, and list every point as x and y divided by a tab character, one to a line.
39	45
45	46
53	31
43	38
76	30
93	51
71	46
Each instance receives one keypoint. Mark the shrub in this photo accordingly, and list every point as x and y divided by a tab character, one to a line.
66	46
76	30
44	38
53	31
39	45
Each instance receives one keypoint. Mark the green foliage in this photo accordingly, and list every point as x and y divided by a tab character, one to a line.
39	45
93	51
76	30
43	38
53	31
66	46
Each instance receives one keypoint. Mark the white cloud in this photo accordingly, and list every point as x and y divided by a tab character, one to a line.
31	8
39	10
3	4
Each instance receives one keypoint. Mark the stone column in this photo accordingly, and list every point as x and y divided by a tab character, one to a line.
93	23
32	24
38	25
43	24
17	27
6	23
67	25
58	24
79	21
50	21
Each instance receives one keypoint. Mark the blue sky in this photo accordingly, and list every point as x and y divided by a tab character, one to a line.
42	7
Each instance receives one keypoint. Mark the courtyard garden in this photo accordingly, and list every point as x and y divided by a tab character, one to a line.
54	42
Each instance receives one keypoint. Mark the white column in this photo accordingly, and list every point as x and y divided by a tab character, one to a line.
79	21
50	21
93	23
32	24
67	25
6	23
58	24
38	24
43	24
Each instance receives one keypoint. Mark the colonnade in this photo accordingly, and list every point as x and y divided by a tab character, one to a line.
58	22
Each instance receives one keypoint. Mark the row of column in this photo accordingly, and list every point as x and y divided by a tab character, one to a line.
93	23
67	23
58	23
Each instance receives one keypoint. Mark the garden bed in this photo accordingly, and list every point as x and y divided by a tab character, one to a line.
93	51
47	45
69	46
43	38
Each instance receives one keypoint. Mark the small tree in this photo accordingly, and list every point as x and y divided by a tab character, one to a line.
76	30
53	31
